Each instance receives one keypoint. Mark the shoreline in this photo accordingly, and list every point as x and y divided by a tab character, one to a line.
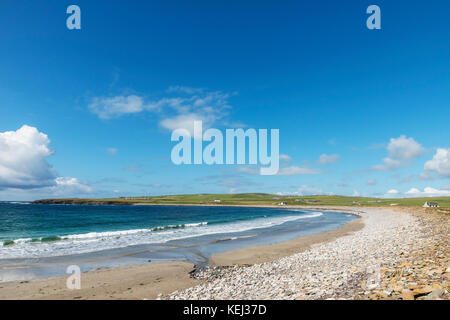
267	253
136	282
399	254
109	283
408	248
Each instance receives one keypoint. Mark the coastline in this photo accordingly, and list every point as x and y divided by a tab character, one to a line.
329	265
152	280
266	253
399	254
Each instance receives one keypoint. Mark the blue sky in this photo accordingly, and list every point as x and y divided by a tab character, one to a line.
359	111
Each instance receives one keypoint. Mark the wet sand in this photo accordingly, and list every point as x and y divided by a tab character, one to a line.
132	283
149	281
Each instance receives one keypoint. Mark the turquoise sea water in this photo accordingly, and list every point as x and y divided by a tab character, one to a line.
55	235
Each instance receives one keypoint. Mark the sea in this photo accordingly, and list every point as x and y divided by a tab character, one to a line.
42	240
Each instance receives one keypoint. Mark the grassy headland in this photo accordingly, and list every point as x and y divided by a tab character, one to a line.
257	199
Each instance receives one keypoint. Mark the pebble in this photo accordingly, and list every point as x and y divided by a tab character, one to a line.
395	256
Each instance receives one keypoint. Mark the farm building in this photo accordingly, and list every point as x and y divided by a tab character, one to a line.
429	204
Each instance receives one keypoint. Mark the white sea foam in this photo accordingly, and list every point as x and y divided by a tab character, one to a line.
96	241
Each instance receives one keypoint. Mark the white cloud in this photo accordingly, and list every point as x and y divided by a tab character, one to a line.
23	159
404	148
107	108
425	176
184	89
389	164
393	192
428	192
133	168
286	171
112	151
68	185
371	182
285	157
186	121
178	110
305	190
401	151
295	171
249	169
356	193
24	170
328	158
193	104
440	162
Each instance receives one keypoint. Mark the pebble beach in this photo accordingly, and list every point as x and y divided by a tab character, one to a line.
386	254
398	254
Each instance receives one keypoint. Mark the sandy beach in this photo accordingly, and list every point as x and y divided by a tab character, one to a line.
357	261
135	282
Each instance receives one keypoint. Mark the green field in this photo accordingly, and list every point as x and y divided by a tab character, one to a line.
265	199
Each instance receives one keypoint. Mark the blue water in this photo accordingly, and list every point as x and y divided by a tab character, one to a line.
102	236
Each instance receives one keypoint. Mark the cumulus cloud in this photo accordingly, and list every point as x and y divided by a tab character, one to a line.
179	108
113	107
112	151
401	151
253	170
371	182
295	171
328	158
286	171
428	192
404	148
393	192
440	163
285	157
23	159
191	105
388	164
68	185
425	176
24	167
186	121
305	190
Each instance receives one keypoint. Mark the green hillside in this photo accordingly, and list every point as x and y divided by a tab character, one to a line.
260	199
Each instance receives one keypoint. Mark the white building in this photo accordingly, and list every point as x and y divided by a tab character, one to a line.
431	205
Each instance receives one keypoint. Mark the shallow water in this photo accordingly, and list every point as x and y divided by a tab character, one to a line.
42	240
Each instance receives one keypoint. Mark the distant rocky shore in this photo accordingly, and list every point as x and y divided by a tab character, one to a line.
81	202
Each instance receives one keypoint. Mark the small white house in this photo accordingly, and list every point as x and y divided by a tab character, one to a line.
217	200
282	204
431	205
